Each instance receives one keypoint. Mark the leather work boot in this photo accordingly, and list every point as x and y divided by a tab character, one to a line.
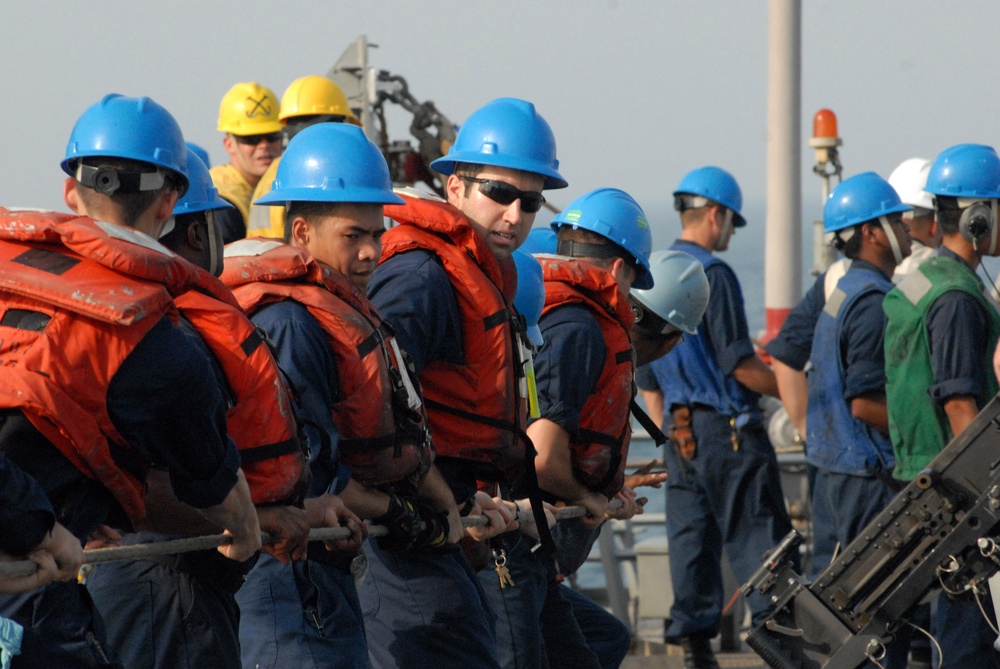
698	653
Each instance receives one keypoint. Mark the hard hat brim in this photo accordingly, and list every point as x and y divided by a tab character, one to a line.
278	198
446	166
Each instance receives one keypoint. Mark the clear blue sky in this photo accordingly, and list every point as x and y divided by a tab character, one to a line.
638	92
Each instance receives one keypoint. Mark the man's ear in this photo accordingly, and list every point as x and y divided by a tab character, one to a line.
197	237
165	205
71	197
868	231
301	232
617	266
453	189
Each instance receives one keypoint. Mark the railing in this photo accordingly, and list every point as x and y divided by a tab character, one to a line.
619	550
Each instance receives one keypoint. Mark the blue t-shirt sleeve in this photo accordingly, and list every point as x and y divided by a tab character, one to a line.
165	402
725	324
25	513
793	345
958	332
862	347
412	292
303	354
645	378
568	365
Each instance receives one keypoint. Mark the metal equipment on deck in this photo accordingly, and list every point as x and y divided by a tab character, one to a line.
941	531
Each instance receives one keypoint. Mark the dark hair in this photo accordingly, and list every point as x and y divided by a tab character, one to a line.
131	205
852	247
468	170
571	234
948	214
690	215
311	211
296	124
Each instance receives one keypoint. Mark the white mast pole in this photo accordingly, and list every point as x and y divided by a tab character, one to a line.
783	262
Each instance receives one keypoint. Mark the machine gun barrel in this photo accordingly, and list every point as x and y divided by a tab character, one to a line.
775	557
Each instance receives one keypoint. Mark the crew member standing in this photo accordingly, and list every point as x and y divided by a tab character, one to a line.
191	595
445	284
724	488
909	180
97	390
941	333
361	411
248	115
585	376
847	421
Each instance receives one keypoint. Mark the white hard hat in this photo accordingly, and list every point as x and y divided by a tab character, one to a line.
909	180
680	290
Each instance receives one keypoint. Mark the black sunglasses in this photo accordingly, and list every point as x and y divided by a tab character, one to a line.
503	193
254	140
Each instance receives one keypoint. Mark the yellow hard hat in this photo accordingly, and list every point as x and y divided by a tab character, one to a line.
249	109
312	95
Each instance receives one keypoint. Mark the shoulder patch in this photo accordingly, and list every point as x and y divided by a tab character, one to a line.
915	286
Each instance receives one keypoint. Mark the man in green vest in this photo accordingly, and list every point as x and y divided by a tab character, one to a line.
942	329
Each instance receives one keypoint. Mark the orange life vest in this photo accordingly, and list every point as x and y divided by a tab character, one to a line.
76	297
373	411
474	408
600	455
260	420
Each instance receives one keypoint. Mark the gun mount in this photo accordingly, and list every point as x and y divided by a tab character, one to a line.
939	532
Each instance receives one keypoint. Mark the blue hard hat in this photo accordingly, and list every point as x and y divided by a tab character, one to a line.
202	195
530	297
200	152
131	128
506	132
863	197
331	162
717	185
965	170
540	240
616	216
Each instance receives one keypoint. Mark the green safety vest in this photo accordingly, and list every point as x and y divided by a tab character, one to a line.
918	426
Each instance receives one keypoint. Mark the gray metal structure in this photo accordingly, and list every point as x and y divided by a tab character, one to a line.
941	531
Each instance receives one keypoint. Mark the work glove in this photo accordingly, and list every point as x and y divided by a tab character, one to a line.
413	524
433	534
402	520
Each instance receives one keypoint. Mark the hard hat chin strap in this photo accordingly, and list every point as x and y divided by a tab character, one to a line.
994	228
215	244
897	252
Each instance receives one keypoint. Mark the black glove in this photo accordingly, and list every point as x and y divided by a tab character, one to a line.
403	522
433	534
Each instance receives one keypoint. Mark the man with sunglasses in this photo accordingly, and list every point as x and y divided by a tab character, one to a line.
724	487
941	332
446	284
248	115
